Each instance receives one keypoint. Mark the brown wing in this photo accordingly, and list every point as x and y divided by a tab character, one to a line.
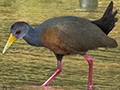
69	37
51	40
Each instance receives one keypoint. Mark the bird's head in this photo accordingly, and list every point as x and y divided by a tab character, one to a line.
17	30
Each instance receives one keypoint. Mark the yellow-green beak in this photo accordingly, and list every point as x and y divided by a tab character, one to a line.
11	40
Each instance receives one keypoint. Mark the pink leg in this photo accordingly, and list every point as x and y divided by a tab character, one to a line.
90	62
59	69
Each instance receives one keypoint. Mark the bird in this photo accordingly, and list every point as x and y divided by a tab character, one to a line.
68	35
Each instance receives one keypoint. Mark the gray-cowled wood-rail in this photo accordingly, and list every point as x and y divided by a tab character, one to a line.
68	35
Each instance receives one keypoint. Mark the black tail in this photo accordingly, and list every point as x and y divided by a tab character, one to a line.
107	22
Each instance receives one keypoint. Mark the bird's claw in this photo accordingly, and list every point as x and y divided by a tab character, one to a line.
92	87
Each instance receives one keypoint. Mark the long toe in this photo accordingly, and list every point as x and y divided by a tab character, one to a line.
44	85
92	87
33	86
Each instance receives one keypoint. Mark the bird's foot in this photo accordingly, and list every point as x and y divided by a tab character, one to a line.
43	85
92	87
33	86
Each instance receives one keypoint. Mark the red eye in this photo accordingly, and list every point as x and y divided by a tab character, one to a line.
18	32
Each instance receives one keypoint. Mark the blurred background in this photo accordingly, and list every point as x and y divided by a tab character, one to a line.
24	65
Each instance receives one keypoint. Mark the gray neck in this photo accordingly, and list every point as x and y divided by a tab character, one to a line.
33	37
